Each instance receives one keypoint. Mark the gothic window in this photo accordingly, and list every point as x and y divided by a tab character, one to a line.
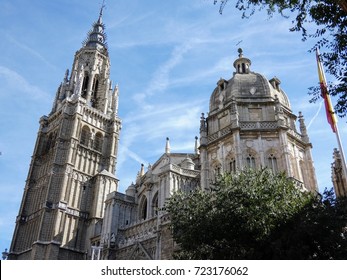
232	166
50	142
303	172
250	161
143	209
93	99
85	136
155	205
98	142
85	85
217	170
272	163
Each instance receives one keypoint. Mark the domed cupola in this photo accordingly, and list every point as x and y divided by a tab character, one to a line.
188	163
246	85
242	64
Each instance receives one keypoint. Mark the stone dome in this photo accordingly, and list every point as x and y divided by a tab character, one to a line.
246	85
188	163
131	190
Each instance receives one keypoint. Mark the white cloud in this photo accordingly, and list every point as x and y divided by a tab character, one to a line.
161	77
13	80
29	50
316	115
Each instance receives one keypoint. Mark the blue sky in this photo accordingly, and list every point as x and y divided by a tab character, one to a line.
166	57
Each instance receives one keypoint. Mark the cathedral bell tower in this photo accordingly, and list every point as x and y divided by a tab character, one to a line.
74	161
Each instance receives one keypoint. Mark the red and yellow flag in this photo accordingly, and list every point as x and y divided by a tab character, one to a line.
331	116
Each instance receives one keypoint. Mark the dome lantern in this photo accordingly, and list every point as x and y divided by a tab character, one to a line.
242	64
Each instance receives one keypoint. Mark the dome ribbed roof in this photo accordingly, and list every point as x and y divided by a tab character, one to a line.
246	85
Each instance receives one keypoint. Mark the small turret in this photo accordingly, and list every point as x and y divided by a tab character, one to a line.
188	163
303	128
167	146
196	146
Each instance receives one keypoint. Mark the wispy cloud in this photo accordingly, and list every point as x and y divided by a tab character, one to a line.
15	81
161	77
133	155
29	50
316	115
147	126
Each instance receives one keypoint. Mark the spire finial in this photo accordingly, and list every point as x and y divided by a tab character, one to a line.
101	10
196	148
142	171
240	51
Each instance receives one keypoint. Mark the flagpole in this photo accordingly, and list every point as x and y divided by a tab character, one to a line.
332	119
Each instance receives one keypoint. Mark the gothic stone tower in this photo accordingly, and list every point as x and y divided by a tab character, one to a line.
73	164
251	124
339	180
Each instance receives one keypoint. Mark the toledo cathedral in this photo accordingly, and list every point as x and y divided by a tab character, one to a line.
71	207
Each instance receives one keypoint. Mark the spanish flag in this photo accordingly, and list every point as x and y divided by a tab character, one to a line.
331	116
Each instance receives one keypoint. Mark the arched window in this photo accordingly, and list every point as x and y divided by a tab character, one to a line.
93	100
143	209
49	142
217	170
250	161
155	205
85	136
85	85
243	68
232	165
272	163
98	140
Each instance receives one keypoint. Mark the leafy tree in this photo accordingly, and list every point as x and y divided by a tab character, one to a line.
330	17
257	215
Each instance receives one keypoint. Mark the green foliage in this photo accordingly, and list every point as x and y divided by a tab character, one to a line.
256	215
330	17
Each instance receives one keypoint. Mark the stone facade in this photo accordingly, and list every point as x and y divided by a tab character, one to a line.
133	226
71	207
250	125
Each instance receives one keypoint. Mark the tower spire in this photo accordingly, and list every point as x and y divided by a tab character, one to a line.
101	11
96	37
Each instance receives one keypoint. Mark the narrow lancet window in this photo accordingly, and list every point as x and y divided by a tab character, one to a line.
93	100
98	140
232	166
272	163
250	161
85	85
85	136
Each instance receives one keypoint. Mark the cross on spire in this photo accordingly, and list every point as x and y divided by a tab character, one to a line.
102	9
